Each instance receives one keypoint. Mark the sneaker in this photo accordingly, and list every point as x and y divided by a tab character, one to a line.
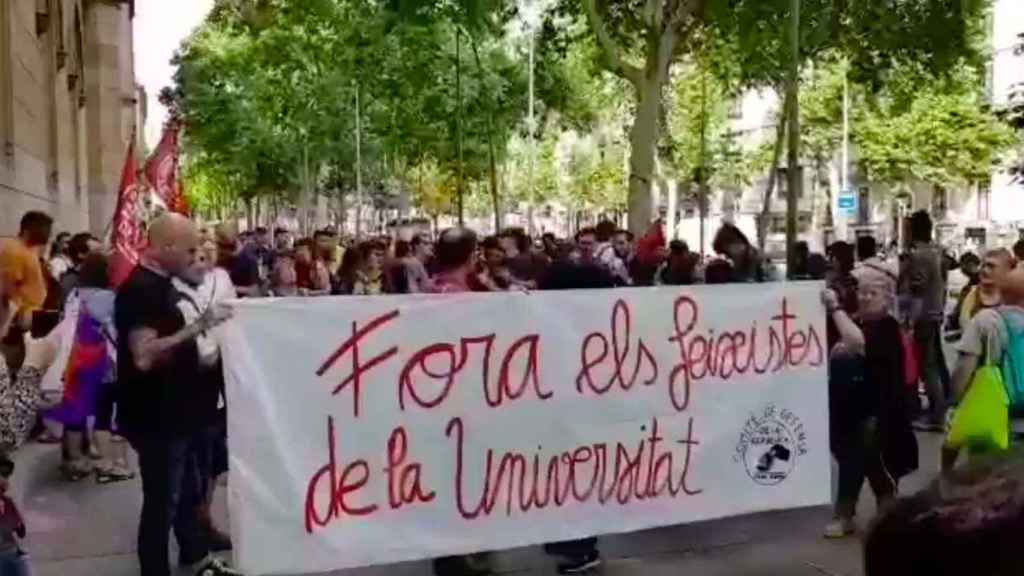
840	528
581	565
217	567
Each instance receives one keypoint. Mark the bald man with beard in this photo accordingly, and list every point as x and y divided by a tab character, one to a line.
164	404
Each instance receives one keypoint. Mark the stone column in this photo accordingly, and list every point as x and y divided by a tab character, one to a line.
6	89
105	100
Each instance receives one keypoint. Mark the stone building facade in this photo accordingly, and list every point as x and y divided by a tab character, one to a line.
68	107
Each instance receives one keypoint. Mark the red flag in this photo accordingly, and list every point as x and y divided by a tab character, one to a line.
180	203
126	238
162	170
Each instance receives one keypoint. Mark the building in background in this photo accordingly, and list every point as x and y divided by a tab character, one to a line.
976	216
753	122
68	107
1002	201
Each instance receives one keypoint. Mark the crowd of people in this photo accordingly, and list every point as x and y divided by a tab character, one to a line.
138	364
276	263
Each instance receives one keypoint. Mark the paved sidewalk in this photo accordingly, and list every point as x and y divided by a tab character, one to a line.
89	530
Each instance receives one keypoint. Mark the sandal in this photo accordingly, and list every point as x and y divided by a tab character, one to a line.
113	474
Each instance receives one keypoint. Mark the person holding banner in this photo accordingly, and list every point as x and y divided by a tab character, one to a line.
580	555
204	286
457	258
165	405
869	403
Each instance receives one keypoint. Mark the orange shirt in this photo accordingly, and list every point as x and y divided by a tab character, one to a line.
23	274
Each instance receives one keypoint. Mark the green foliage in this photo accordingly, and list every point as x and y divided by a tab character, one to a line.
432	190
698	118
264	84
874	37
944	134
821	109
572	86
597	175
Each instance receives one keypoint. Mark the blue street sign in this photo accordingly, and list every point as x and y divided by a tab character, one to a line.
848	203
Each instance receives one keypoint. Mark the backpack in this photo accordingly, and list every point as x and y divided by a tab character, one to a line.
1013	359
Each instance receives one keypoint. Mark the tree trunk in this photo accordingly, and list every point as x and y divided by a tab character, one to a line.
662	29
793	172
342	219
773	175
495	193
643	139
821	175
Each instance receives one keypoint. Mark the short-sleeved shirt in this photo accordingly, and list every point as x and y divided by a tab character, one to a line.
416	275
169	400
21	268
926	280
985	335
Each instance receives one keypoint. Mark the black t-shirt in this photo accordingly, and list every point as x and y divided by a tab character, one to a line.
170	399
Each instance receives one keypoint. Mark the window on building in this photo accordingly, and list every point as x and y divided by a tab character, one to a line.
42	18
984	200
778	224
864	205
940	202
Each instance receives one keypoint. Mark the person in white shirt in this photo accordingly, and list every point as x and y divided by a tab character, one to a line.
209	285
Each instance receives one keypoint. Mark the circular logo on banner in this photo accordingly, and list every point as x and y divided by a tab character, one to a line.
771	445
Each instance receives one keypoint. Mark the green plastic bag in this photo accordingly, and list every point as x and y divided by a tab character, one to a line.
982	422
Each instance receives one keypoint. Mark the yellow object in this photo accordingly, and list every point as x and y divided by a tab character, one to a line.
982	422
969	307
23	274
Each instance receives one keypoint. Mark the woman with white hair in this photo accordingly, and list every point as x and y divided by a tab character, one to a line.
869	401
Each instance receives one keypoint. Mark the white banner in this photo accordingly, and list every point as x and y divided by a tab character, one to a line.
383	429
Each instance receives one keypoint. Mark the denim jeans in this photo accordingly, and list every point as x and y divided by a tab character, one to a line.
170	496
14	563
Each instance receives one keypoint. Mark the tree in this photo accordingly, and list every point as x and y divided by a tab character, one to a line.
269	90
641	39
596	172
475	23
938	131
